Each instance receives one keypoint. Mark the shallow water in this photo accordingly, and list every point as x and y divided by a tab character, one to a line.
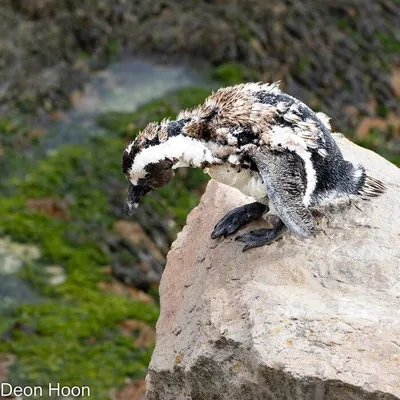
125	86
122	87
14	292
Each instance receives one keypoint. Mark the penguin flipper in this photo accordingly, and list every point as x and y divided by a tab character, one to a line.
284	177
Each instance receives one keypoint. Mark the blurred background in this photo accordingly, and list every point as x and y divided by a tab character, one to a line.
79	79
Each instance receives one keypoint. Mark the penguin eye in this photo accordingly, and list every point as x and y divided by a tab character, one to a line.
244	138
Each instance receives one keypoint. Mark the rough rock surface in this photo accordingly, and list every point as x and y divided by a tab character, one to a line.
299	319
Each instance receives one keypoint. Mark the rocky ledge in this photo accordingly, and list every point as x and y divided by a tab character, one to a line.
299	319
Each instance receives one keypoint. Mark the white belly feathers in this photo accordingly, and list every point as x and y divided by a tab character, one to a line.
248	182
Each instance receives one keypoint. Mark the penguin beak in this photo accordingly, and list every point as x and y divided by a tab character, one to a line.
135	193
130	208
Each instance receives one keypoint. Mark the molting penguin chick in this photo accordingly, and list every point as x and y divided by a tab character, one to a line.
261	141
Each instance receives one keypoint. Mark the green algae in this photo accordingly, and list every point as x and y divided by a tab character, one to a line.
8	127
390	43
72	342
100	366
73	335
15	141
303	64
78	344
80	173
75	339
233	73
76	312
245	33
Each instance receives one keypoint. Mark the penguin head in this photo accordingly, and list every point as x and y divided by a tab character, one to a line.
155	176
145	165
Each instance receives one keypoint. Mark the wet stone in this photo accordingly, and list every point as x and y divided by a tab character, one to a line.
56	275
14	255
14	292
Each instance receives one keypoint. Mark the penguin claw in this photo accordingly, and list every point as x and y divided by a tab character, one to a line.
236	218
225	227
261	237
223	230
257	238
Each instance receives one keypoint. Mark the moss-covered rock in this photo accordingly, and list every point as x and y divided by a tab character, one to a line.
73	336
78	343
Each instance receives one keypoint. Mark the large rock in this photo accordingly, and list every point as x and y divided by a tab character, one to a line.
299	319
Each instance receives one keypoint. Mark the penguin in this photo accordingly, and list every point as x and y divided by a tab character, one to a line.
261	141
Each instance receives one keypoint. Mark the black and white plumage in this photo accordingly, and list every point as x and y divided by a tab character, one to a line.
261	141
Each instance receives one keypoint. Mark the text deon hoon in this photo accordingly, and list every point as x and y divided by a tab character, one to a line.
52	389
255	138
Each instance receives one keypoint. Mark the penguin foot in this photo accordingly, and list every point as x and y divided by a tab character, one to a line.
238	217
261	237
